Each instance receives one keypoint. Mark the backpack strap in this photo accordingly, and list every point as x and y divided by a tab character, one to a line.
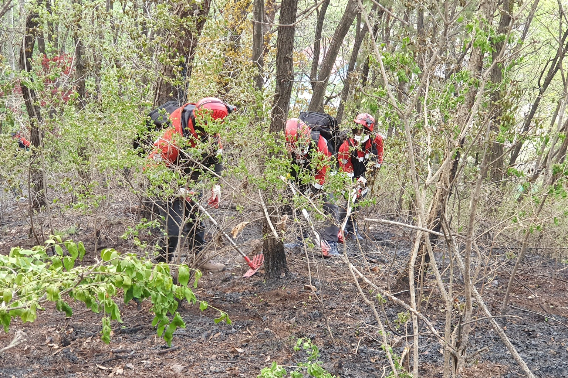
188	121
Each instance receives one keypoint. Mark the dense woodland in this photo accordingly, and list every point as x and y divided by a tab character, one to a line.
470	97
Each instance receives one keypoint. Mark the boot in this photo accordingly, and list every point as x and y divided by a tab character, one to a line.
212	267
355	235
299	243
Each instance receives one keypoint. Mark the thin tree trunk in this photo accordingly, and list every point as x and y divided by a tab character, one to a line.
421	53
275	257
284	65
468	311
360	33
317	43
172	83
553	69
82	164
258	42
316	103
496	155
30	98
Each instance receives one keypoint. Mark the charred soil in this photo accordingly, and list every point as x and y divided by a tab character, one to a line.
317	300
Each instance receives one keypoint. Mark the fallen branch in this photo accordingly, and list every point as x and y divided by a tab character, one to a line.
167	350
19	338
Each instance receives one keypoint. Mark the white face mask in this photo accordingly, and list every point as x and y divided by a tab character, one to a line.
361	138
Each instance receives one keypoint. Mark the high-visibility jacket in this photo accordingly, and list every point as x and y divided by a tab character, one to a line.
185	133
354	156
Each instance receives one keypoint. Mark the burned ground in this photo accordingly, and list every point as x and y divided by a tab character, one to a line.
317	300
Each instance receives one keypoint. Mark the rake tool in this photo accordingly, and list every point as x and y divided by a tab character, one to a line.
256	261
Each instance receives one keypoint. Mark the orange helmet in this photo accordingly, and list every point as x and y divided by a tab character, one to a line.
366	120
297	136
219	109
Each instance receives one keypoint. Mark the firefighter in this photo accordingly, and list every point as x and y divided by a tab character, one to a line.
23	143
311	160
358	154
176	149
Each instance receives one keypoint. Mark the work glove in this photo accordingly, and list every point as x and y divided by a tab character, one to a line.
187	194
215	196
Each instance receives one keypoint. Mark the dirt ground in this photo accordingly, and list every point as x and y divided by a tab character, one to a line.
317	300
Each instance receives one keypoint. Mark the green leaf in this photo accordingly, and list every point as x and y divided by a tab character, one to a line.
126	282
106	254
161	328
7	295
81	249
5	320
68	262
129	294
183	275
52	292
189	295
28	315
64	307
58	250
137	290
203	306
105	337
56	263
198	275
72	248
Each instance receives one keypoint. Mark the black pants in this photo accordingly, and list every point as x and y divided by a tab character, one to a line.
329	230
351	225
180	222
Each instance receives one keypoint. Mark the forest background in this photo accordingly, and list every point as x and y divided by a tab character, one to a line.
469	95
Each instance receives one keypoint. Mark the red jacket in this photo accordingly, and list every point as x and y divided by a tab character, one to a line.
22	142
354	157
166	148
320	147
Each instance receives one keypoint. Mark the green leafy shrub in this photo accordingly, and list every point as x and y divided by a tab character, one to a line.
312	368
30	277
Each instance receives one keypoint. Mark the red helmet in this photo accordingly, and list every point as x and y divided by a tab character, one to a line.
219	109
366	120
297	136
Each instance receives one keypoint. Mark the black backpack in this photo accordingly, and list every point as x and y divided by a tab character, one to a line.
157	119
327	127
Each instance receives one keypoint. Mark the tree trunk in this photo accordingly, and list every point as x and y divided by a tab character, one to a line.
317	43
284	65
82	163
275	257
37	188
496	160
316	103
80	68
421	49
275	264
173	80
361	31
258	43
